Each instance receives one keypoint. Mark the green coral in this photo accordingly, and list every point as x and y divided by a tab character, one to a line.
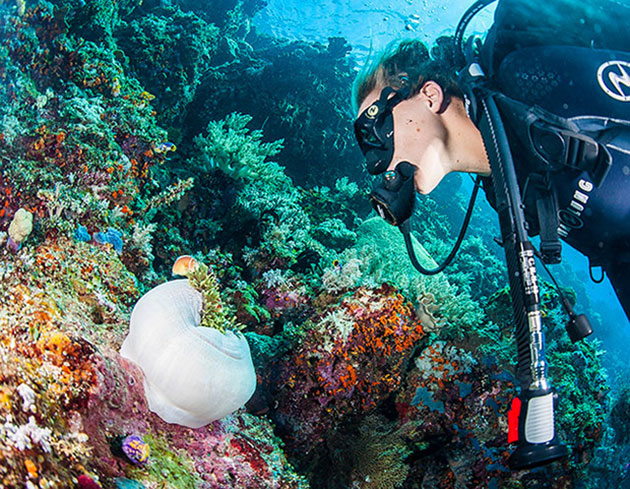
273	192
333	233
250	303
232	148
382	250
213	314
343	203
347	189
167	466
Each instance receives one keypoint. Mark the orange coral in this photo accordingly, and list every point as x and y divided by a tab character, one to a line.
390	331
76	374
349	367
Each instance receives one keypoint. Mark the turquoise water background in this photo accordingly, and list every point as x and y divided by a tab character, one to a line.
366	24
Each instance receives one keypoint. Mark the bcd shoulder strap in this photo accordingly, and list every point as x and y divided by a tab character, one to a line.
556	143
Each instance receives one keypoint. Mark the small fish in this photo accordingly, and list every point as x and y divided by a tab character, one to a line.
337	264
116	87
164	147
184	265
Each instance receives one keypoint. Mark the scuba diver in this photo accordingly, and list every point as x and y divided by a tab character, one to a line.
541	114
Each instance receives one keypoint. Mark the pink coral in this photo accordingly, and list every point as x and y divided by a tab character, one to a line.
86	482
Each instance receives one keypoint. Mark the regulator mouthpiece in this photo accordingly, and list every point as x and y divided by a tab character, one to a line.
394	197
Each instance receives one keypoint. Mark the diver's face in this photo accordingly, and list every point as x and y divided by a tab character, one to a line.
419	136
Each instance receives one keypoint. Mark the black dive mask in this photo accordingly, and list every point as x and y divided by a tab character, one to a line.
374	130
394	198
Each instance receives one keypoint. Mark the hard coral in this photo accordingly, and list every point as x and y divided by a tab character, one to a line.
69	361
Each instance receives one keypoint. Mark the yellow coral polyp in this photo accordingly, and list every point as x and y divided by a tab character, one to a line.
5	400
31	468
55	343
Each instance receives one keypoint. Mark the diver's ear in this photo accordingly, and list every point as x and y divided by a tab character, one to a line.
434	96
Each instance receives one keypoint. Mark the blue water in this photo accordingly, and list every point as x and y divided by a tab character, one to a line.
366	24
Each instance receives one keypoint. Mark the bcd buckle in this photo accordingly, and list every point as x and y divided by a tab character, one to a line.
562	147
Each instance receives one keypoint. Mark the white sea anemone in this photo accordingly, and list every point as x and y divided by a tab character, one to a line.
192	375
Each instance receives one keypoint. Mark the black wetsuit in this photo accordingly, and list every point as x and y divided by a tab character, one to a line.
591	88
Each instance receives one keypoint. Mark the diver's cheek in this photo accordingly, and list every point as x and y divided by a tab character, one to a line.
407	146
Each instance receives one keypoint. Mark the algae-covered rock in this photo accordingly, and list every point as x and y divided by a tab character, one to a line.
168	50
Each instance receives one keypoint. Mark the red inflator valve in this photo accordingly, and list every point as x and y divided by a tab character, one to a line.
513	415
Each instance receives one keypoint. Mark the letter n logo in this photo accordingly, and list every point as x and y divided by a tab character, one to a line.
614	78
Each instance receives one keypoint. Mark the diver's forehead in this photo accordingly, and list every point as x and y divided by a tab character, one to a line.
372	97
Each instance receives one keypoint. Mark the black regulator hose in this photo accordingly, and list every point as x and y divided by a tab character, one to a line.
405	229
463	23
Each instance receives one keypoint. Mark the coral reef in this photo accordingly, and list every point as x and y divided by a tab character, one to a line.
82	138
168	50
129	138
346	364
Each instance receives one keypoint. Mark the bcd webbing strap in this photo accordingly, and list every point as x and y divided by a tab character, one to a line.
547	208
